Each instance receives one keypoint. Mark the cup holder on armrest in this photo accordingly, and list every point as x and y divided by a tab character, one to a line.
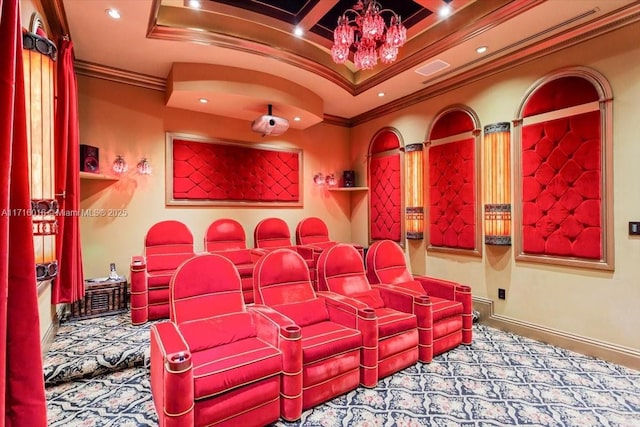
291	332
177	362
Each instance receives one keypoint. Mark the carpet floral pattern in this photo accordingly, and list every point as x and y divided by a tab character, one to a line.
92	347
502	379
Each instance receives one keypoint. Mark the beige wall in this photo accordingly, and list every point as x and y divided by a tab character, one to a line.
599	306
594	305
132	122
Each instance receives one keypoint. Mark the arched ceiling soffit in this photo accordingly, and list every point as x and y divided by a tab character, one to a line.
263	29
241	93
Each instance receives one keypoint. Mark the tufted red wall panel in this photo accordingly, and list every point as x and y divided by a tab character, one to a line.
386	198
561	187
221	172
385	141
452	194
560	93
452	123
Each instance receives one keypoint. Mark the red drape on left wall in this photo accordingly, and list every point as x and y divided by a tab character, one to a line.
22	397
69	285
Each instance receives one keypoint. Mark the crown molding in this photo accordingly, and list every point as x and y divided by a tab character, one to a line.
530	53
118	75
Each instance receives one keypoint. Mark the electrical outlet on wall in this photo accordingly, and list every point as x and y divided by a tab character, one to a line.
502	294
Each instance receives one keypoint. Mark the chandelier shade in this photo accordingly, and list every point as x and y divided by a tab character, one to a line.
363	30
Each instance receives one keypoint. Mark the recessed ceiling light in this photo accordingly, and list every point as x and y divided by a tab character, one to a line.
481	49
444	11
113	13
296	119
203	100
195	4
380	94
298	31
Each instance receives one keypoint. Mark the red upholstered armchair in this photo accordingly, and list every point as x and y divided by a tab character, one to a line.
166	245
226	237
273	233
341	270
218	362
334	334
313	231
450	307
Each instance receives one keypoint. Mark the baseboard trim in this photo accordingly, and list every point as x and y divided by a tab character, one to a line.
52	331
588	346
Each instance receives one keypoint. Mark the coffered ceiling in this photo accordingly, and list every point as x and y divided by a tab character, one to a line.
258	37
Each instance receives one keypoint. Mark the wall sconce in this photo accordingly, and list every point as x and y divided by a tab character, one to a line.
322	179
119	165
497	184
414	206
144	167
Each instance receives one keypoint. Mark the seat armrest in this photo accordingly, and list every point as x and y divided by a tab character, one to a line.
343	309
453	291
401	299
139	297
170	340
256	253
417	303
138	263
171	375
306	252
438	287
355	314
273	326
283	333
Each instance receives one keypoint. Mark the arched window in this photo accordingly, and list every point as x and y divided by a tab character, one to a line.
453	183
385	186
563	171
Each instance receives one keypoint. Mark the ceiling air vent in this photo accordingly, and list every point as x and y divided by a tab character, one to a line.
432	67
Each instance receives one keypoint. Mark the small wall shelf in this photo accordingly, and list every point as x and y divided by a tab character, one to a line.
97	176
348	188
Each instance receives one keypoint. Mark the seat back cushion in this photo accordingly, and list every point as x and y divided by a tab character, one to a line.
224	234
164	262
305	313
311	230
386	263
214	331
168	237
340	270
272	233
203	287
372	298
282	277
236	256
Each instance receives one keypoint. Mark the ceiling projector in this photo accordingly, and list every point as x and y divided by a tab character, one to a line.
269	124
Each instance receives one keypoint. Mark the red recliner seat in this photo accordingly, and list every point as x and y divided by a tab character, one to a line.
313	231
273	233
449	320
334	335
218	362
226	237
341	270
166	245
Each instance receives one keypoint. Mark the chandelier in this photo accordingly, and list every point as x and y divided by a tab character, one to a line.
366	32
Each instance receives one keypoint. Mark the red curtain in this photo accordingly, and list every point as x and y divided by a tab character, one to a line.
22	399
69	285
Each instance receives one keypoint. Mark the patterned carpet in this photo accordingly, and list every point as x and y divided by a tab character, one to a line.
502	379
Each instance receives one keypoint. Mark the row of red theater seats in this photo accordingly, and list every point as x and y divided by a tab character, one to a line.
169	243
220	361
